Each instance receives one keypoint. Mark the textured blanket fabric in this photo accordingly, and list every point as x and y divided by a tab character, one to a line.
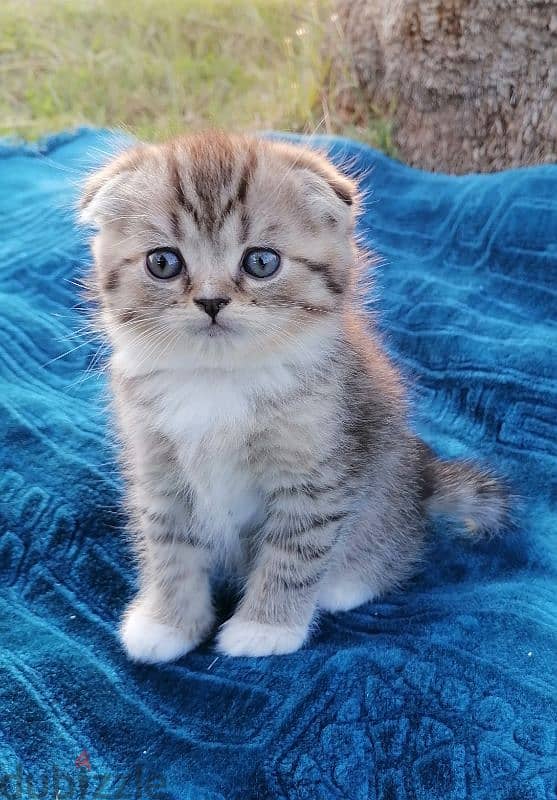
446	691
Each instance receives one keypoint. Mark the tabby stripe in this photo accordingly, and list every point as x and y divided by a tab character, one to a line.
322	269
175	222
127	315
227	210
299	585
289	531
111	281
244	226
320	522
183	201
305	490
246	176
308	551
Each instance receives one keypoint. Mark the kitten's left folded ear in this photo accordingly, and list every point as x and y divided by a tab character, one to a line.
345	188
317	165
105	192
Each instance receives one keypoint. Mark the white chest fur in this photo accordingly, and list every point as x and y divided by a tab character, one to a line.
210	419
210	415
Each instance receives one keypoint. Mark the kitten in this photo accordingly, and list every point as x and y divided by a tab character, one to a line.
264	428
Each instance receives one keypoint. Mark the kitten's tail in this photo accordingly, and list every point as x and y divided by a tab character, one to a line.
465	491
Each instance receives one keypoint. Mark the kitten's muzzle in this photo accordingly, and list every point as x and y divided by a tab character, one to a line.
212	305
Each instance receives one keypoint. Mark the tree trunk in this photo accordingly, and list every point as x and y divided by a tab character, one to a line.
471	85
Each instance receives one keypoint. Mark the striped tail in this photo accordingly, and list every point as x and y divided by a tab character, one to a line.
465	491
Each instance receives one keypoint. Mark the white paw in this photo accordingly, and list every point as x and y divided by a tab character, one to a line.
344	594
239	637
149	641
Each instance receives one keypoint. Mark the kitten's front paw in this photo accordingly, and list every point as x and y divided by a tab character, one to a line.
240	637
149	641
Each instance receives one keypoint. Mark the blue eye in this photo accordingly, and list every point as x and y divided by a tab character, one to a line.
260	262
164	263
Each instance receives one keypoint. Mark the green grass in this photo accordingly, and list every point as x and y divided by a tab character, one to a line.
159	67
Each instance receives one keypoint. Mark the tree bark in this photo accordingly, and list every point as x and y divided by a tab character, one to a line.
471	85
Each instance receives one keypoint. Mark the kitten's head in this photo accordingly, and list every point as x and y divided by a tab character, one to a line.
220	247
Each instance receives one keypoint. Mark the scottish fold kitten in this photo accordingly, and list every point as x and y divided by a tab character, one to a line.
264	429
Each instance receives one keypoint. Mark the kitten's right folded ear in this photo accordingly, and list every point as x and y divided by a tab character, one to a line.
105	192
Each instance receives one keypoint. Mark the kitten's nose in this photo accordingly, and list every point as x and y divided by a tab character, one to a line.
212	305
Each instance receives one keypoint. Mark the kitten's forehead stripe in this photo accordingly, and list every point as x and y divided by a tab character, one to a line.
227	209
239	199
244	226
210	164
175	222
177	183
211	169
180	195
247	175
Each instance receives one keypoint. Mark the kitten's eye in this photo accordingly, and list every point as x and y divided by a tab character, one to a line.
260	262
164	263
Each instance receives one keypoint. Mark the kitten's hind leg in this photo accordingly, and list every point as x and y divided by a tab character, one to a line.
380	554
343	591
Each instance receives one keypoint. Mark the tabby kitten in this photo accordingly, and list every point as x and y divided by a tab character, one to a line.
264	428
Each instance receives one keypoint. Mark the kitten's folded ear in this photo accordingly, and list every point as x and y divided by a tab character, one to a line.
105	192
345	188
318	164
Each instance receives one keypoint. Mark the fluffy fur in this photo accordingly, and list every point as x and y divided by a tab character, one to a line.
271	441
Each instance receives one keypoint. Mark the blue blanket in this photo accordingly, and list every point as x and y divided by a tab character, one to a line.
446	691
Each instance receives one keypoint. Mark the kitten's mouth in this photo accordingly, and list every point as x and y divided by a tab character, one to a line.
213	330
216	330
